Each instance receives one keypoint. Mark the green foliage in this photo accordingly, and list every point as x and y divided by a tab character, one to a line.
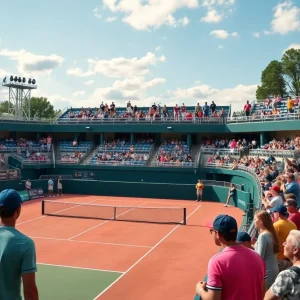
291	70
3	107
42	108
272	81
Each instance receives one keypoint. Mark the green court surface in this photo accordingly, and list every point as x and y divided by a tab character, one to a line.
67	283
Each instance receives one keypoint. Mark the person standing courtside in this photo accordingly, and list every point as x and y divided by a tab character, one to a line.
17	252
199	189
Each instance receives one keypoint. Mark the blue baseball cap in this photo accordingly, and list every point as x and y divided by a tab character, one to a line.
243	236
281	209
224	224
10	200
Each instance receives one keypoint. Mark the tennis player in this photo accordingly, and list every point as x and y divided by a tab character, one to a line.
199	189
17	252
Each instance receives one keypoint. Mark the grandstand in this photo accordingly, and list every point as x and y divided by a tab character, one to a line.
132	163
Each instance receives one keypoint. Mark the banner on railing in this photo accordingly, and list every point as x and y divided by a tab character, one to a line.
36	193
24	195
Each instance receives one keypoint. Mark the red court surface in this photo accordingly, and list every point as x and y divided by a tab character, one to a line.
157	261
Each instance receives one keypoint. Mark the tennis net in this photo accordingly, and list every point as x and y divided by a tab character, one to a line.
163	215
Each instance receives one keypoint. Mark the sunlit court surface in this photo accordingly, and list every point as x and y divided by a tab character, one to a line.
81	258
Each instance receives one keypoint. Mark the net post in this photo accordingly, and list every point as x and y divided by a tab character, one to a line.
43	207
115	213
184	216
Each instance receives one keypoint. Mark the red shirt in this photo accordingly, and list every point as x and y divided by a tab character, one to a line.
247	107
295	218
176	109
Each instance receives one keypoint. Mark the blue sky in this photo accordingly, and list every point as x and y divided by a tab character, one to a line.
163	51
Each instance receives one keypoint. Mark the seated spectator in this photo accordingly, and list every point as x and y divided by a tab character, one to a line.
244	239
272	198
287	283
294	214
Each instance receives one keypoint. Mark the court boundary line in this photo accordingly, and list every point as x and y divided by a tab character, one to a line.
40	217
72	237
79	268
146	254
88	242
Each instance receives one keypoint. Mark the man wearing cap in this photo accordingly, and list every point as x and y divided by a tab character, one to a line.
283	227
235	273
17	252
294	214
275	200
244	239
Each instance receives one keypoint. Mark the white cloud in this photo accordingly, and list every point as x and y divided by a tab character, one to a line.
78	93
97	13
295	46
33	64
111	19
220	46
223	34
235	96
152	14
256	34
212	17
89	82
267	32
119	67
213	3
3	73
157	48
286	18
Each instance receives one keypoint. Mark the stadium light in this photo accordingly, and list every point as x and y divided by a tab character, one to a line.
4	80
11	78
29	80
33	81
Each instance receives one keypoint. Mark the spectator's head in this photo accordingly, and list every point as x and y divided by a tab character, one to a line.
10	206
291	206
280	212
244	238
224	229
292	246
275	190
290	178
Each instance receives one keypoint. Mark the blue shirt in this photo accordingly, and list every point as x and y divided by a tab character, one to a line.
293	188
17	257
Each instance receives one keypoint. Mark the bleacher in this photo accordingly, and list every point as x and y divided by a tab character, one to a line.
178	155
69	154
118	154
121	111
282	107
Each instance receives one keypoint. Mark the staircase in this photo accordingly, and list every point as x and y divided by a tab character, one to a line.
152	156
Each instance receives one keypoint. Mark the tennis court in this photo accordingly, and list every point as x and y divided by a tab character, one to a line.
88	258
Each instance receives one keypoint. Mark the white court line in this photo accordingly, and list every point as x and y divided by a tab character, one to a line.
88	242
155	246
55	212
71	267
106	221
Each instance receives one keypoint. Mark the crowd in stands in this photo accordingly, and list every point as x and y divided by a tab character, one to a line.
155	112
278	220
120	151
10	143
174	151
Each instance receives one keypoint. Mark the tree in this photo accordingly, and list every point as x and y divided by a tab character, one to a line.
291	70
3	107
272	81
42	108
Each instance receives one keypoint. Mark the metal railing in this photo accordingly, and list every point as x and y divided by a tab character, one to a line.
10	174
221	151
174	164
16	149
278	153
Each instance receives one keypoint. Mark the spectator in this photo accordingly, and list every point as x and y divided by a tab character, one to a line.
235	273
17	252
247	109
267	245
294	214
272	198
287	283
283	227
244	239
292	186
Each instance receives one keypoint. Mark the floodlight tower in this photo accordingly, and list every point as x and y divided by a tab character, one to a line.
19	95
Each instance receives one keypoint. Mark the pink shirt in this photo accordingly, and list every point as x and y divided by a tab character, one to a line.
238	272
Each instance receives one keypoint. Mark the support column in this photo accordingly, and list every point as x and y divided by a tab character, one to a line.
262	139
131	138
38	135
101	138
189	140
